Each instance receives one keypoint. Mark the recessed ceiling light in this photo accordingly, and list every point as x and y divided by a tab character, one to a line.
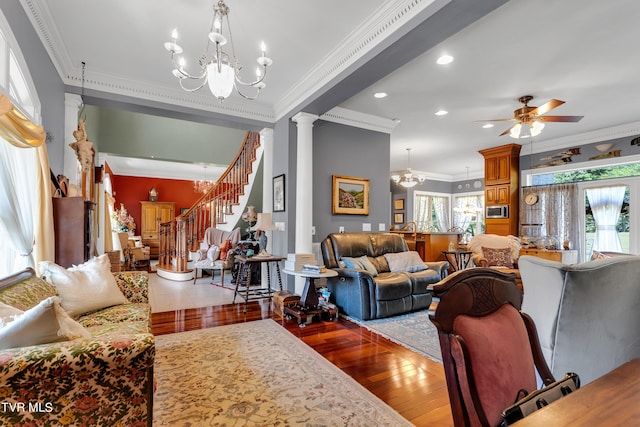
380	95
441	112
445	59
487	125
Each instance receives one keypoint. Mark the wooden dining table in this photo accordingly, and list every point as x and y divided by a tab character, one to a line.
611	400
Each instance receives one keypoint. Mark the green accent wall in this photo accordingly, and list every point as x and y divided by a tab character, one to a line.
138	135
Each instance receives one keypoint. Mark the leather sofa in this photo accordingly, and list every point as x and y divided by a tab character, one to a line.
365	294
586	315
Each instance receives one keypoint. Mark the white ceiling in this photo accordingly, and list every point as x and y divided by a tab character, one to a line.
581	51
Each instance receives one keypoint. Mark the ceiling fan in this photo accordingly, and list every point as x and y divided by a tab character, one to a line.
530	120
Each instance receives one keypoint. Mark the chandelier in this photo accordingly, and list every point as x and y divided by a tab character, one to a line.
408	179
203	186
219	69
526	130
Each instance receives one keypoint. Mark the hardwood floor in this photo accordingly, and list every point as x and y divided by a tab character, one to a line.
412	384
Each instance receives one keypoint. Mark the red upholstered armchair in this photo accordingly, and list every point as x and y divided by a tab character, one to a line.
490	349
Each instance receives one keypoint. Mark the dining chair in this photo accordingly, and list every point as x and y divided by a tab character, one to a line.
490	349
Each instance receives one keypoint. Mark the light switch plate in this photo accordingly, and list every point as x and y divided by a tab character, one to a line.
341	229
313	230
366	226
382	227
280	226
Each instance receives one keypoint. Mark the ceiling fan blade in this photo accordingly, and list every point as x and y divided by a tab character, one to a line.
494	120
544	108
508	130
559	118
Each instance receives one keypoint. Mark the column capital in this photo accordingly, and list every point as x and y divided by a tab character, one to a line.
304	118
266	133
72	100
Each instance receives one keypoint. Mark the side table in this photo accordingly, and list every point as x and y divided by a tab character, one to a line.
308	308
245	287
459	260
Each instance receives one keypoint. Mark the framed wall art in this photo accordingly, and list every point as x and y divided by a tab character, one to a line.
398	204
278	193
398	218
350	195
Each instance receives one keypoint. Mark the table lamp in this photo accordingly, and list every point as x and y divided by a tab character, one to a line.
263	224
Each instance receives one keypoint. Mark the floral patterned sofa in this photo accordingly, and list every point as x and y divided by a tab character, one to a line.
103	379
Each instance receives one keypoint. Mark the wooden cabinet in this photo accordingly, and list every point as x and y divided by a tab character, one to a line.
497	195
152	215
501	186
73	230
430	245
565	257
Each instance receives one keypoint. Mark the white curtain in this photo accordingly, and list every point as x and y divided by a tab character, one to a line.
441	208
425	207
18	206
556	212
606	203
466	209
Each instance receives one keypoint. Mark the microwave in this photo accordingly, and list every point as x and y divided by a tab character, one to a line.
501	211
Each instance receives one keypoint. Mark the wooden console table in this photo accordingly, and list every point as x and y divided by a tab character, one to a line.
565	257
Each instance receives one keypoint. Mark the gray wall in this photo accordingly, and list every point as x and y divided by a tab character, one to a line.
345	150
49	86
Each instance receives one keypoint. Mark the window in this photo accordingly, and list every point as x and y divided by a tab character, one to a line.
608	195
468	212
431	211
16	84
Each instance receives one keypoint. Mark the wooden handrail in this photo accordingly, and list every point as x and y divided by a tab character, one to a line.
184	233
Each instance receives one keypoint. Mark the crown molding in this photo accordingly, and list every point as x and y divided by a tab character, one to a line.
360	120
599	135
383	23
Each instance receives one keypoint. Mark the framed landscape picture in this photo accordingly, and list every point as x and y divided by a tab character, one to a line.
398	204
278	193
350	195
398	218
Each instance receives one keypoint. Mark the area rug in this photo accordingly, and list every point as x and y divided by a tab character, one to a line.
412	330
257	374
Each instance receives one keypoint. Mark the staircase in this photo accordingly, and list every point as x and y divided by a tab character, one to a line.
223	201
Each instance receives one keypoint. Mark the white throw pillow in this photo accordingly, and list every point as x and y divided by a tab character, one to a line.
45	323
86	287
409	261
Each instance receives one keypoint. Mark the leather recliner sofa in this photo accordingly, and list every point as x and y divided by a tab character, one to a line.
366	295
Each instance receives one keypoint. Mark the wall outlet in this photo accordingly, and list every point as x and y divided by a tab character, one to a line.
341	229
279	226
366	226
382	227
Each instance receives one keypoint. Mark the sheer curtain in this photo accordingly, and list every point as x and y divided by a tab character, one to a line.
26	219
426	206
606	203
557	210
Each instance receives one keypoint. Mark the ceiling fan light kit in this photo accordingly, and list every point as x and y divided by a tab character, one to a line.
218	69
530	120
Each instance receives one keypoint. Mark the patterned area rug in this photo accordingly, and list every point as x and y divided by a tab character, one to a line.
257	374
413	330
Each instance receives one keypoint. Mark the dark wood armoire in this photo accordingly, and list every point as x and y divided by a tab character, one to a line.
72	224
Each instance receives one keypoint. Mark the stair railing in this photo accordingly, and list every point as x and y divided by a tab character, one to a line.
185	232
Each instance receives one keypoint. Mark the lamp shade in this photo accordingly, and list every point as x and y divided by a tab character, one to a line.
264	223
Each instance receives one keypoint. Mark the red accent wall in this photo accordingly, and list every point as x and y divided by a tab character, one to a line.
131	190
